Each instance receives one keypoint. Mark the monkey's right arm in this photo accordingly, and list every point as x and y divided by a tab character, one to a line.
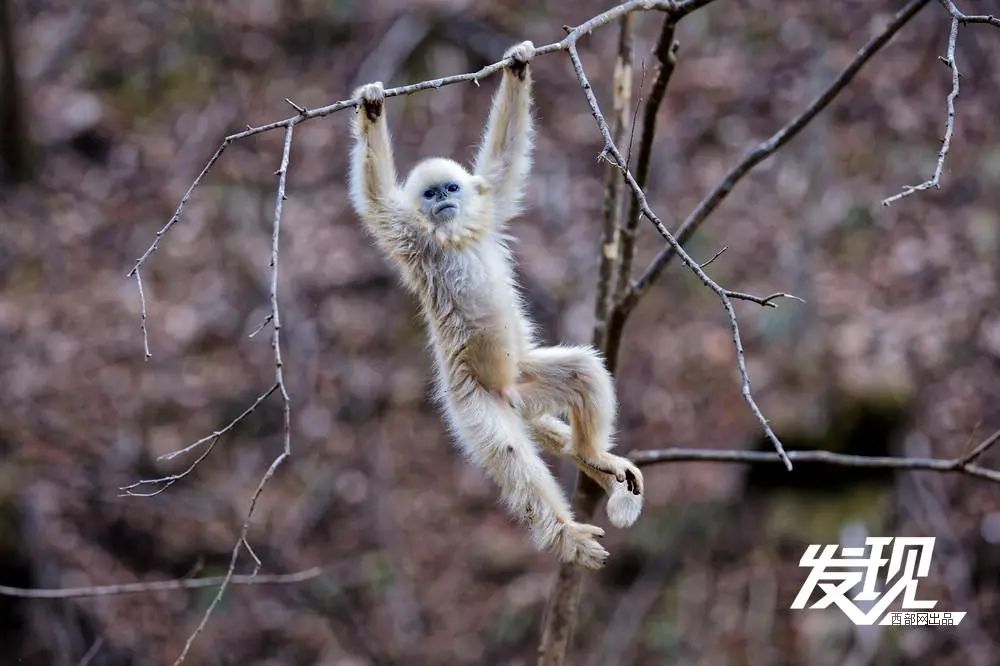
373	185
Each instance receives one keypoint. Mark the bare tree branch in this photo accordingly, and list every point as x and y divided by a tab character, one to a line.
610	150
981	448
611	232
563	604
961	464
142	316
666	56
161	585
764	150
89	655
166	481
964	18
676	8
279	382
949	128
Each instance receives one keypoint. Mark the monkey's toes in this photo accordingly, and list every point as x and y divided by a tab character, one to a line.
580	545
634	479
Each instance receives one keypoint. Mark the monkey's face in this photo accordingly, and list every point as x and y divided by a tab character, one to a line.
441	202
444	192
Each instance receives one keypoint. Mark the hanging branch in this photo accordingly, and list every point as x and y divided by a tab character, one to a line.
726	296
763	150
279	381
160	585
964	464
949	127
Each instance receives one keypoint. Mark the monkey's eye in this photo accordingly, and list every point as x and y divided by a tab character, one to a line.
428	194
453	187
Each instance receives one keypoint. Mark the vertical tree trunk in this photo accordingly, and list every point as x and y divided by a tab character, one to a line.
560	616
15	145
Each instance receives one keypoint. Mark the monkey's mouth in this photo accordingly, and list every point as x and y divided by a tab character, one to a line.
446	210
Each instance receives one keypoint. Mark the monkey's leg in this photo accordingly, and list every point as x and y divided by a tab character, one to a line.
555	436
496	438
574	380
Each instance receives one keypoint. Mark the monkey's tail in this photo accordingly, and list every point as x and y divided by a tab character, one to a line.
623	507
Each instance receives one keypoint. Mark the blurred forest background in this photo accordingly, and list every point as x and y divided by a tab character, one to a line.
897	351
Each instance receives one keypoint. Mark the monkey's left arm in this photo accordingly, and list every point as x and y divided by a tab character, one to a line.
504	157
373	185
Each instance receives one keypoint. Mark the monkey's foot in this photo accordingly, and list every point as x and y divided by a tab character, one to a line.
372	97
577	542
623	469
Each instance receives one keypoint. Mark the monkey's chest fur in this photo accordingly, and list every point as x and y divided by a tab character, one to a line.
474	315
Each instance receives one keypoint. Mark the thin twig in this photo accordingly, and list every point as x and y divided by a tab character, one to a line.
765	301
949	127
142	315
295	106
267	320
762	151
715	256
981	448
610	150
279	382
211	439
966	18
160	585
652	457
89	655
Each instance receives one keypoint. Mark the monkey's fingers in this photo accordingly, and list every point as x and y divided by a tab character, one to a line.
522	54
372	97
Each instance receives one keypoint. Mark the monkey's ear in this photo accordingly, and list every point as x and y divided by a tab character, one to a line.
480	185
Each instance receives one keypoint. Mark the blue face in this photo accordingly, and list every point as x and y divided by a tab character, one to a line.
440	202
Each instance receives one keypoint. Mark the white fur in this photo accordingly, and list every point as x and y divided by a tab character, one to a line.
501	394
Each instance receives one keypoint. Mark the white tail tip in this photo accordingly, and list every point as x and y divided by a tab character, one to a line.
623	506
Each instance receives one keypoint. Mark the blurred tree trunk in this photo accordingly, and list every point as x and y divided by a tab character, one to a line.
15	146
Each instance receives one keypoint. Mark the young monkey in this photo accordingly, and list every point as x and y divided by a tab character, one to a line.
501	393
